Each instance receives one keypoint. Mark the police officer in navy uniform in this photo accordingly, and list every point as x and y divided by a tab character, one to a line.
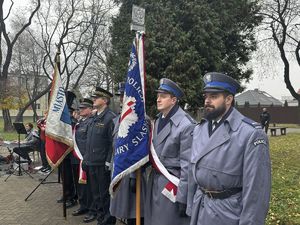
123	206
172	138
230	174
98	157
81	128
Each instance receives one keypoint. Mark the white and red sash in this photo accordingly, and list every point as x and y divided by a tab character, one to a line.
78	155
170	190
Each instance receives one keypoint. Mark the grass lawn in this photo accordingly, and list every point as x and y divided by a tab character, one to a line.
285	199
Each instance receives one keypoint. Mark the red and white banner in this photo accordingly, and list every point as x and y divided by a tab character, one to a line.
59	140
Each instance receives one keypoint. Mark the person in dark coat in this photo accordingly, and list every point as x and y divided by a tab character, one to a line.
265	118
172	138
230	172
98	157
81	128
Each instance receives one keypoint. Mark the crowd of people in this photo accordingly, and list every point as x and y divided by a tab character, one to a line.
221	164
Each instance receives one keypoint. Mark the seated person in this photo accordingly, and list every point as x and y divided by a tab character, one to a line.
30	143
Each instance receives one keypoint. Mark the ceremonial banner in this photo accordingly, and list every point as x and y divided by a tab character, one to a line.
131	147
59	141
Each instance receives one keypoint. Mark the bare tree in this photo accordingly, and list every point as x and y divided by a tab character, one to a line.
78	28
7	43
27	64
99	72
282	25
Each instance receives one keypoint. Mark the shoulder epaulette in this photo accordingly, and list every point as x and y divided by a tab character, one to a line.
191	119
112	113
202	120
251	122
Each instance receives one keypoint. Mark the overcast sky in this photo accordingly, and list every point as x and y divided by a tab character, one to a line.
272	82
268	77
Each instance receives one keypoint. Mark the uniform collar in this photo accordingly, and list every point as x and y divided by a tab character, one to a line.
178	116
234	119
102	113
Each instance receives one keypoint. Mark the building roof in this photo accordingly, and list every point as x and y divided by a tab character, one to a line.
255	97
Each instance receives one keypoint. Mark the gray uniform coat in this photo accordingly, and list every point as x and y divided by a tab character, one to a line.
172	145
123	204
235	155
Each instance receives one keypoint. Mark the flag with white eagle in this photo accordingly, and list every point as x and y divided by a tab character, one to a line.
131	147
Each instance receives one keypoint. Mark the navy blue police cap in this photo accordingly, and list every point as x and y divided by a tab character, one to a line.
219	82
86	103
100	92
169	86
121	88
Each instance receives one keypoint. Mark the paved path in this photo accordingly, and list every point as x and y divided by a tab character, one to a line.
41	208
293	130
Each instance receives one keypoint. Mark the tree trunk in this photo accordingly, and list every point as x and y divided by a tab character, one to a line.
21	119
7	120
35	115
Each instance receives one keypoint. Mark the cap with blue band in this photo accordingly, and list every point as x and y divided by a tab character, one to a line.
219	82
169	86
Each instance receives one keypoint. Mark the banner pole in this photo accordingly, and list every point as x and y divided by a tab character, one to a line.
64	189
57	62
138	197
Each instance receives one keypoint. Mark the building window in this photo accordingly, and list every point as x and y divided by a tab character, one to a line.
38	106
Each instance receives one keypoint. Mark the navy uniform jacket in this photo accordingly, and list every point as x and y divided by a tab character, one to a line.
236	155
81	134
99	139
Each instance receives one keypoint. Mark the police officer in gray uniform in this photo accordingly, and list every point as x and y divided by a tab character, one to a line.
230	178
81	128
98	157
122	206
172	137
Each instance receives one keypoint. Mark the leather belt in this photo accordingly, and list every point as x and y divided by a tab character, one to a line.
221	194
